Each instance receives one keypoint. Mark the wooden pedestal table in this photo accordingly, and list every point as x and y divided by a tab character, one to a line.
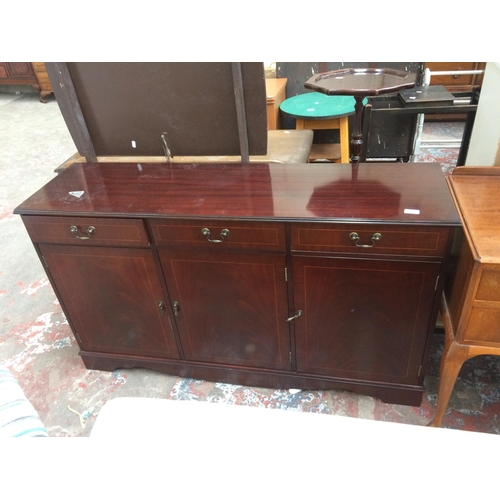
471	298
360	83
27	73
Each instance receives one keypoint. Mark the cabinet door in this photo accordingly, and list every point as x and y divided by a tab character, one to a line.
232	307
111	297
20	70
363	319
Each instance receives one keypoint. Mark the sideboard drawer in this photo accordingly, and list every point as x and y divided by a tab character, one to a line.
370	239
87	231
227	234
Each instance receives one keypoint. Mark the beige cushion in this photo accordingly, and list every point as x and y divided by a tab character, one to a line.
284	146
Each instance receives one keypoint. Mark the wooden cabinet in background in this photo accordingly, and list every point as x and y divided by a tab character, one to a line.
275	95
456	83
26	73
18	71
45	87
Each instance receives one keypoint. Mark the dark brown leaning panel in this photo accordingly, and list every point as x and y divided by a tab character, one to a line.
128	107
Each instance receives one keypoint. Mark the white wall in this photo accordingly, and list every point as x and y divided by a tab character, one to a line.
484	148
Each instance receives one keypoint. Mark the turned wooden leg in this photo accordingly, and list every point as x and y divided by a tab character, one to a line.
357	131
43	95
453	358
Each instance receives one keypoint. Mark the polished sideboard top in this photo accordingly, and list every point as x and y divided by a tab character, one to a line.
394	193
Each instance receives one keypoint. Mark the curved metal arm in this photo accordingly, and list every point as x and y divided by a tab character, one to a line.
206	232
376	237
90	231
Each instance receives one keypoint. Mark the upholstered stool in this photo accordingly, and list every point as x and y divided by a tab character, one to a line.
316	111
283	146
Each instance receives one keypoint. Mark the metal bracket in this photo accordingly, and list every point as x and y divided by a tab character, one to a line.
166	150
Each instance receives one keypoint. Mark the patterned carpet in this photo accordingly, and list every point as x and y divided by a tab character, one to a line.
432	138
475	402
447	157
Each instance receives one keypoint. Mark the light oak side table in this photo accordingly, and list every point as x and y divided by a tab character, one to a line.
471	298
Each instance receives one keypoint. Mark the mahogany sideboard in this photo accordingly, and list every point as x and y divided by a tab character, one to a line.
286	276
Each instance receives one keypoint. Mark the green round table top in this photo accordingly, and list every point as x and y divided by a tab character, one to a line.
314	105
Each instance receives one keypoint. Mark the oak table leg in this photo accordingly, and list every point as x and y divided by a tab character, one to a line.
344	139
453	358
341	124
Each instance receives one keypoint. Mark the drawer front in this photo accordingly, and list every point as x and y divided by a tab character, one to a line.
489	285
370	239
78	231
483	326
220	234
485	313
450	80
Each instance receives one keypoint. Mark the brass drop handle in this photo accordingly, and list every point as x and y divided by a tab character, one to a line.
376	237
177	308
297	314
90	231
206	232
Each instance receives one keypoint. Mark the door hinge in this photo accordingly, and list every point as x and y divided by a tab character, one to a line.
290	357
45	262
286	273
177	307
161	307
419	371
437	281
